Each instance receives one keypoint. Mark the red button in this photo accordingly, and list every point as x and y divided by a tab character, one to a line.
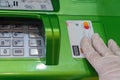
86	25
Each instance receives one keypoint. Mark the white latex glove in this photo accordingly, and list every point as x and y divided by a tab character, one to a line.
105	60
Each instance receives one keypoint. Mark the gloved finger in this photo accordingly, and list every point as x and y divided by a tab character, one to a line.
100	46
88	50
114	47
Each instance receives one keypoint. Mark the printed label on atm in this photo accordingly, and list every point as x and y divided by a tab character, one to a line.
76	30
26	5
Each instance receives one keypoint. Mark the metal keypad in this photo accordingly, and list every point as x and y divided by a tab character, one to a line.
21	41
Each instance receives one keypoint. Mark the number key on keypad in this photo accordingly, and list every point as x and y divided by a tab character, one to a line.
18	52
18	43
18	34
5	43
5	52
35	43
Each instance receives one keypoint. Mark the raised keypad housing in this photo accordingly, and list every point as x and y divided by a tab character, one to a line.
21	40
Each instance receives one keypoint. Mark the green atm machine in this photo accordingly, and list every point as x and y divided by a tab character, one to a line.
40	39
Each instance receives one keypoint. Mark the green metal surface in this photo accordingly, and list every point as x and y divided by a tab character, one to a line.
56	66
59	63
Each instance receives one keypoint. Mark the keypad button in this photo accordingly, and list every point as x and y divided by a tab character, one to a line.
5	27
34	43
18	52
5	43
34	34
36	52
33	27
18	43
5	34
5	52
18	27
18	34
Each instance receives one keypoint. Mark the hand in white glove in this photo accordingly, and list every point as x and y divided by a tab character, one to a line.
105	60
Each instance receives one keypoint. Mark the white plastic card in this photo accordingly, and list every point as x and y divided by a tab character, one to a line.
27	5
76	30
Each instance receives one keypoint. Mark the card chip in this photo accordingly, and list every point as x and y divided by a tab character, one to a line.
76	51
